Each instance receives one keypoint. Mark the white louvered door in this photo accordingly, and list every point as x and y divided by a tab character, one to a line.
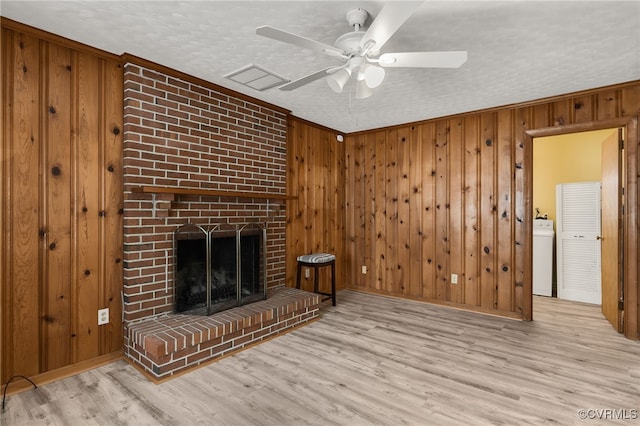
578	247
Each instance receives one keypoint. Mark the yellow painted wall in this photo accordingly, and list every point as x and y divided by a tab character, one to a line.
567	158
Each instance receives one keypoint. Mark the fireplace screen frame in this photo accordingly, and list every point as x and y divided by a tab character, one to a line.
238	232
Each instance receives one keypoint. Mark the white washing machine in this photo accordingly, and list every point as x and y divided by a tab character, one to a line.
543	236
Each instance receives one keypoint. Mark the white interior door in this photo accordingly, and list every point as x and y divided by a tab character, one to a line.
578	247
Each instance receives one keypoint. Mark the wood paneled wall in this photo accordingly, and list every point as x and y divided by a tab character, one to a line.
316	218
428	200
445	196
60	202
448	196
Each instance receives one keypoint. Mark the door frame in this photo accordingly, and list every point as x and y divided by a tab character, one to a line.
630	218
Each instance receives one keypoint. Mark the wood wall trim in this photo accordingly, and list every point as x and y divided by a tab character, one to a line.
515	106
209	192
316	125
477	309
56	39
5	116
129	58
578	127
631	238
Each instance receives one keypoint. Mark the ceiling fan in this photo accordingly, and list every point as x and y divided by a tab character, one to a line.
359	50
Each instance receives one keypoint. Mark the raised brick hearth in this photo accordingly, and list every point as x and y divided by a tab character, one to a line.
169	344
183	133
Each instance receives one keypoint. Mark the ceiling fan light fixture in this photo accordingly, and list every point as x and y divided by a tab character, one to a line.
338	79
362	89
373	75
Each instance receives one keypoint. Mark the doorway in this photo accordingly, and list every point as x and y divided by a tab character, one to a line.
628	242
573	159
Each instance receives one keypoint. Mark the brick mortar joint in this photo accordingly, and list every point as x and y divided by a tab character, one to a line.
146	340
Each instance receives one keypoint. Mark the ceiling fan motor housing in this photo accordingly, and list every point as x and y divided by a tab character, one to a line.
350	42
357	17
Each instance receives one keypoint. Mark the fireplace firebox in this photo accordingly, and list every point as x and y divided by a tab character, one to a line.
219	267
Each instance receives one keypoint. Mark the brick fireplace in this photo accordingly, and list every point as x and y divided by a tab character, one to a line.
184	133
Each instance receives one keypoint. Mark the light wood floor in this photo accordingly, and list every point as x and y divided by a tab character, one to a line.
375	361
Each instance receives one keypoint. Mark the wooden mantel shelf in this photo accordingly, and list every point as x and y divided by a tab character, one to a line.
209	192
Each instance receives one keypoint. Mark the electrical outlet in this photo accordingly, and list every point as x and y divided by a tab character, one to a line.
307	272
454	278
103	316
364	269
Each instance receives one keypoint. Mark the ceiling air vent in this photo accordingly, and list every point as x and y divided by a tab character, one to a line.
256	77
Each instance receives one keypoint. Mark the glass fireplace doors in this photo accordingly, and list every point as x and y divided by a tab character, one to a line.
219	267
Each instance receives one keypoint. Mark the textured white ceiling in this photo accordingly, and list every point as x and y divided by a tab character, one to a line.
518	50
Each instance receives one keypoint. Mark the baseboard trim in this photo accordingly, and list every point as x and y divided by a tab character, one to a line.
21	385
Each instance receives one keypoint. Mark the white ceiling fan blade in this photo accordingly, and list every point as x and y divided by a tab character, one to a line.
307	79
453	59
276	34
390	18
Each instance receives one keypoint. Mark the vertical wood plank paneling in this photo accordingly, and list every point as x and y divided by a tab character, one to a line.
350	225
441	209
562	112
328	207
416	209
380	214
317	169
322	218
541	116
296	234
473	167
360	205
369	279
293	235
21	345
57	178
391	212
488	210
321	210
308	194
429	240
456	211
505	210
608	105
630	106
521	123
330	184
583	109
340	216
630	100
472	247
5	118
90	230
55	107
307	208
403	242
631	243
111	334
316	190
